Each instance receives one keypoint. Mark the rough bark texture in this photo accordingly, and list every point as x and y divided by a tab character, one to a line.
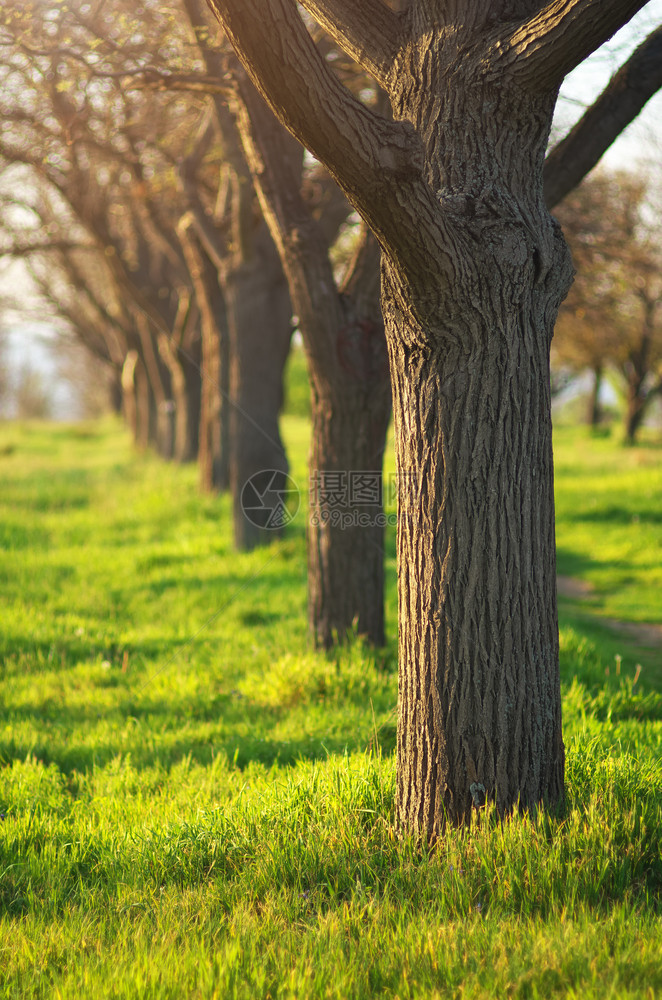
479	708
474	270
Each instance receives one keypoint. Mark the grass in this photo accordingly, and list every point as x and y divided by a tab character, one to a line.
609	535
196	805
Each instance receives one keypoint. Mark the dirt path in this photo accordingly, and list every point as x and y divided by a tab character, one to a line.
644	634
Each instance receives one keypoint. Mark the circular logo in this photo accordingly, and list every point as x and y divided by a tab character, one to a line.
270	499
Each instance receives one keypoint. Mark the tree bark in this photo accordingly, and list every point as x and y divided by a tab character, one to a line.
214	429
474	270
635	412
637	370
158	398
184	409
115	388
479	696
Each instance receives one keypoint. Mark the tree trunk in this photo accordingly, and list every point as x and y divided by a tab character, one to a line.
594	408
474	271
185	381
260	327
129	395
214	445
479	698
479	693
146	419
115	391
636	369
343	336
159	399
635	410
192	367
346	517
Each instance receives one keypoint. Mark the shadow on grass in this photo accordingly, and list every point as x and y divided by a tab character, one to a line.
240	751
617	515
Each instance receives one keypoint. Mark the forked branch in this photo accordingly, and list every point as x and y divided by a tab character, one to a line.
369	31
619	103
362	150
558	38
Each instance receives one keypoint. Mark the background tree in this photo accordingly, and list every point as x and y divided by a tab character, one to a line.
611	316
473	272
125	169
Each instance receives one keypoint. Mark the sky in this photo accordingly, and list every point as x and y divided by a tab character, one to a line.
640	143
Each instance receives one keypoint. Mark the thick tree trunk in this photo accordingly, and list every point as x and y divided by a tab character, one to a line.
594	408
479	698
214	445
343	336
473	274
260	327
145	407
346	517
479	694
192	368
636	369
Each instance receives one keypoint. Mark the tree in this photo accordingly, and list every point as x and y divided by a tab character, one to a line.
87	113
473	272
343	334
611	316
341	326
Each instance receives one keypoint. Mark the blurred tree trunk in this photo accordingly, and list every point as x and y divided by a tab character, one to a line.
260	329
594	408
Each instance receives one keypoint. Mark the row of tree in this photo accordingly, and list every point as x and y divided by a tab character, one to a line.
612	317
136	187
180	231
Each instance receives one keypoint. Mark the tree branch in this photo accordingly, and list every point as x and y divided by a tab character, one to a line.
554	41
361	149
619	104
274	165
368	31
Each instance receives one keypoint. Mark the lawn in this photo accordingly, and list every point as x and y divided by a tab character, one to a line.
195	805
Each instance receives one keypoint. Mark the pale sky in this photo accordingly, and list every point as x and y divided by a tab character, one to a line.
640	143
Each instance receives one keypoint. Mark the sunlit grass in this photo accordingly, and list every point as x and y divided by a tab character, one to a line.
195	805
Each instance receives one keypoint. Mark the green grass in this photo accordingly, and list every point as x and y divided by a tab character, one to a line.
609	535
195	805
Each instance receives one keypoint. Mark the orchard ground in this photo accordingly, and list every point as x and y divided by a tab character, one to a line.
194	804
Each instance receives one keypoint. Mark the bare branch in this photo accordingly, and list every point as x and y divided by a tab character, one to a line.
554	41
619	104
362	150
368	31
